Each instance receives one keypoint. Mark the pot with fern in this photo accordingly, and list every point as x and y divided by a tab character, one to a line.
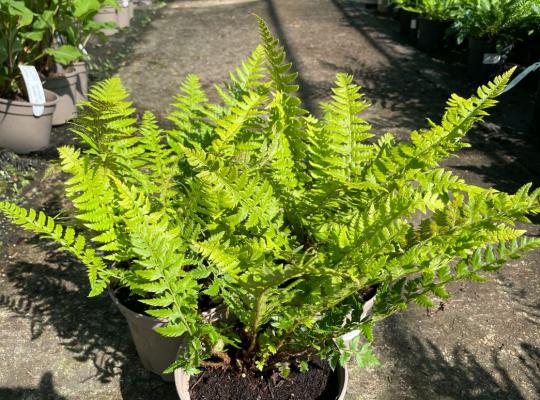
408	18
433	22
282	220
491	27
23	128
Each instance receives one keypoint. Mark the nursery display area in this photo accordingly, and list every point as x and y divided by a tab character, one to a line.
269	199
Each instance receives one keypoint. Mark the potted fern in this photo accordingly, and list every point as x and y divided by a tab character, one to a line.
285	223
434	20
490	27
408	18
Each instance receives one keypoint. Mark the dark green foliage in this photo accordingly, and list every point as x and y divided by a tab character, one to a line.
281	217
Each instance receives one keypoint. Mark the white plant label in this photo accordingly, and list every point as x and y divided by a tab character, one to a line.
413	23
36	94
125	3
81	48
491	59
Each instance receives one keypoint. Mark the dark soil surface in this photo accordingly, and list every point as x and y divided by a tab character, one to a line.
483	343
319	383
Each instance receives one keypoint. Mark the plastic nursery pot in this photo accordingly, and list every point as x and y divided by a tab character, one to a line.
65	86
123	14
383	5
368	298
181	380
107	14
20	130
483	59
431	34
82	80
155	351
535	127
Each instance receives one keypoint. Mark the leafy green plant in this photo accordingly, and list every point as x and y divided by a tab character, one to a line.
29	31
440	10
78	25
283	218
497	20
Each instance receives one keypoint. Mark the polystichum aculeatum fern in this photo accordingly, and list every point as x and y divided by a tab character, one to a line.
281	216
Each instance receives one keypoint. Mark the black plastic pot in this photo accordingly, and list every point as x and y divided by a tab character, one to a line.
404	22
431	34
535	127
483	60
527	51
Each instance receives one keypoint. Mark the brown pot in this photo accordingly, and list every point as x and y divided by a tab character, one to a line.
123	14
107	14
155	351
20	130
82	81
181	380
65	86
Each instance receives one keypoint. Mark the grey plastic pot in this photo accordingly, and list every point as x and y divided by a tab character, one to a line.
181	380
123	14
65	86
20	130
82	80
155	351
107	14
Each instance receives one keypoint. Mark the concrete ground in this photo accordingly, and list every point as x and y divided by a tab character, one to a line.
484	343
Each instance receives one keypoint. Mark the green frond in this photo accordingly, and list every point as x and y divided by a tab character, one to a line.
66	237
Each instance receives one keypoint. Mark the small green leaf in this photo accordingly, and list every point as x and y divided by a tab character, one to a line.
366	358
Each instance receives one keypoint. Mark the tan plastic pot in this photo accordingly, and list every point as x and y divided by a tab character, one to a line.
20	130
107	14
155	351
82	80
123	14
181	380
65	86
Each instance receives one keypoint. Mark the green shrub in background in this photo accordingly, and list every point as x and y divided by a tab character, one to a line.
500	21
283	218
438	10
42	33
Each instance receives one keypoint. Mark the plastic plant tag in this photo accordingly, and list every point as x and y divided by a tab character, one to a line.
34	88
81	48
413	23
491	59
125	3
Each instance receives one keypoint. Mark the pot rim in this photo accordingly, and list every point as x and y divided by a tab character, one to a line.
19	103
123	308
69	72
181	382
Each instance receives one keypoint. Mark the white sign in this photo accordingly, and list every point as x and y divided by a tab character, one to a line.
413	23
34	88
491	58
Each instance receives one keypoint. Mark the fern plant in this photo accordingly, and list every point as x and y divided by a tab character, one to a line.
438	10
500	21
284	218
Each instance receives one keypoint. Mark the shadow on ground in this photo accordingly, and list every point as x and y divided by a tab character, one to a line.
52	294
44	391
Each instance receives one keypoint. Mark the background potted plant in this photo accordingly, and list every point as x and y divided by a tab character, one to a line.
77	28
55	56
490	27
434	20
408	18
20	130
108	14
